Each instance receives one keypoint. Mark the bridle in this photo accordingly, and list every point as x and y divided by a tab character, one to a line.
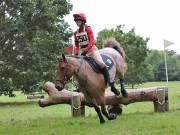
66	77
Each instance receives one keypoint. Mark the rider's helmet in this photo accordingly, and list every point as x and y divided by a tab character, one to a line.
80	17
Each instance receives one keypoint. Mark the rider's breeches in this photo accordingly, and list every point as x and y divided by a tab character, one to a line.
94	53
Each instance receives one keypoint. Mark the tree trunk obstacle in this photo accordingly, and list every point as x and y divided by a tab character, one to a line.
157	95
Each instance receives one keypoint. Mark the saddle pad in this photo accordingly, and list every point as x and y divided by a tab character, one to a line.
107	60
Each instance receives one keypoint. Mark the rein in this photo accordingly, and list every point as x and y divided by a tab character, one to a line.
79	66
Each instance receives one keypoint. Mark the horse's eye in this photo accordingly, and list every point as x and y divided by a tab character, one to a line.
62	68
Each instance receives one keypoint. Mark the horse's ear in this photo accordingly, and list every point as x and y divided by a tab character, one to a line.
64	58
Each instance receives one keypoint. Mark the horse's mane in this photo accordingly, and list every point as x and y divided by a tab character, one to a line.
113	43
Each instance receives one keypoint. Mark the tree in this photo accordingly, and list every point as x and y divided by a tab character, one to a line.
31	35
173	65
136	51
156	60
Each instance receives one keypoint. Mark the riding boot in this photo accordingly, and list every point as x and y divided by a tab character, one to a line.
106	75
107	80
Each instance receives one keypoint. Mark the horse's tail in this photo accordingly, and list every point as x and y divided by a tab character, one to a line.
113	43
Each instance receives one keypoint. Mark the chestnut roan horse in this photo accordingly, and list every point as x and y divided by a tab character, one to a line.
92	84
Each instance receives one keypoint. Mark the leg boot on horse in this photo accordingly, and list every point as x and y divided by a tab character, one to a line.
98	111
123	90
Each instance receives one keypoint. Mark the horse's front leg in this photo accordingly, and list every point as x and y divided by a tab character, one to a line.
123	90
98	111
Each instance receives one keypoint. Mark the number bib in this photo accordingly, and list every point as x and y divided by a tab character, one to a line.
82	38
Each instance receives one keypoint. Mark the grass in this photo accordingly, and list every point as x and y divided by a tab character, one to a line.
137	118
18	98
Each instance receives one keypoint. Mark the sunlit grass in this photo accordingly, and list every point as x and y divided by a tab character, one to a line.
137	118
18	98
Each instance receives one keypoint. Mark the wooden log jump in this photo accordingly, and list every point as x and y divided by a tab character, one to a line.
157	95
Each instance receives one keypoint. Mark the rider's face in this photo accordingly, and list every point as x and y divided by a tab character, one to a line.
79	23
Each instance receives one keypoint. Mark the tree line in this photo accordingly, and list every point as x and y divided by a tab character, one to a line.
33	32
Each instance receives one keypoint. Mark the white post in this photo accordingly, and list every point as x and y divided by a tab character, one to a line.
166	44
165	59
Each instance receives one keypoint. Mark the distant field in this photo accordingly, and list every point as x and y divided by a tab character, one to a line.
137	119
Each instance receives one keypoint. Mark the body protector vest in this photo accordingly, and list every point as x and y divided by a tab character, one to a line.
82	37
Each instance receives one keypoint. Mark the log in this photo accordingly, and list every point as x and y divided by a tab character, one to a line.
157	95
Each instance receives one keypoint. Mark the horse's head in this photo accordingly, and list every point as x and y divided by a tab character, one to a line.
64	72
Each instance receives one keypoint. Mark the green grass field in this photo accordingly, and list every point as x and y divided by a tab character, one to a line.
137	119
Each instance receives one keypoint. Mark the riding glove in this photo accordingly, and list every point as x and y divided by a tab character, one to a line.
83	53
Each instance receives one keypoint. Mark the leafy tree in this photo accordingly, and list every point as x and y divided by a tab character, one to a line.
31	35
173	66
156	60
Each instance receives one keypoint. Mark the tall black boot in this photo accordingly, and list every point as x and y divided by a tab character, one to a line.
106	75
107	80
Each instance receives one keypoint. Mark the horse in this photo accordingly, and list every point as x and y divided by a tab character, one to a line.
92	84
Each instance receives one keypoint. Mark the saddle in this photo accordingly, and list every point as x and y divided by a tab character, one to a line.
107	60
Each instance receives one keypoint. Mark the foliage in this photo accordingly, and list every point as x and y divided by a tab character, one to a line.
136	52
31	35
156	61
7	87
37	87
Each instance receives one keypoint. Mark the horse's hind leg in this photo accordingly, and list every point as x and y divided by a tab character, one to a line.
113	89
123	90
108	79
98	111
108	116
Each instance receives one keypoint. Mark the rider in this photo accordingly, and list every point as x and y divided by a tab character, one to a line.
84	41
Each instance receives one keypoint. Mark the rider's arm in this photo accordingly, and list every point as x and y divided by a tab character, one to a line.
76	49
91	38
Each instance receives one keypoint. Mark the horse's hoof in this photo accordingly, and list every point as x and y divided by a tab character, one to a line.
116	92
124	93
112	116
116	109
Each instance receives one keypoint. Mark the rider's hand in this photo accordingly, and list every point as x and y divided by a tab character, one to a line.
84	53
